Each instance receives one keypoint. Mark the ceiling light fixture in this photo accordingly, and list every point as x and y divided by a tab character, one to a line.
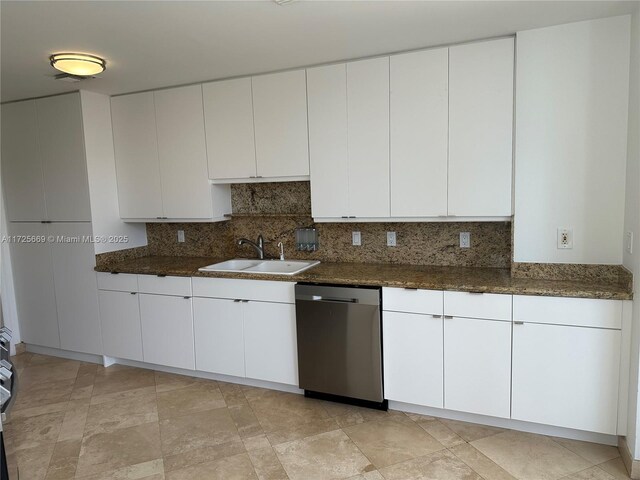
80	64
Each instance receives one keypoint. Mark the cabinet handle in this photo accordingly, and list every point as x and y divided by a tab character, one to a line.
448	317
237	300
410	288
352	216
475	293
186	298
45	221
344	216
518	323
133	293
436	316
244	301
115	273
161	275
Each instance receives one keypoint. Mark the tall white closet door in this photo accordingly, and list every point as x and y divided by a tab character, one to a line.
61	147
21	166
76	288
33	283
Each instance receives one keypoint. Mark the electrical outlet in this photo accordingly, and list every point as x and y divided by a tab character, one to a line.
629	242
180	236
465	239
391	239
565	238
356	239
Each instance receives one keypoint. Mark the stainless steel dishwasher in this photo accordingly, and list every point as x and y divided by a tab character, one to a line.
340	344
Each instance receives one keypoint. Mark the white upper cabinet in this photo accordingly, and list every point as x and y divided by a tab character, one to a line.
368	137
228	114
43	160
481	128
61	146
280	121
161	157
328	150
21	165
136	150
419	133
349	139
182	153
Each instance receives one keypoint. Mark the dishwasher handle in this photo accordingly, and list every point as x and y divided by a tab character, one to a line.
322	298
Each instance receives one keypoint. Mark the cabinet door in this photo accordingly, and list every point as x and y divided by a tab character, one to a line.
136	150
33	283
167	330
566	376
419	133
219	339
120	322
21	166
280	119
182	153
61	145
328	151
481	128
76	288
270	342
228	115
413	357
477	366
368	137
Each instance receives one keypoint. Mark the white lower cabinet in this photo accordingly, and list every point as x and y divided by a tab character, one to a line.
167	330
270	342
566	376
477	366
413	368
120	322
219	338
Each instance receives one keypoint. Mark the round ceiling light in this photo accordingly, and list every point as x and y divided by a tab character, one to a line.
80	64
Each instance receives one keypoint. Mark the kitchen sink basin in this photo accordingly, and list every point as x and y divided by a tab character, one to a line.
269	267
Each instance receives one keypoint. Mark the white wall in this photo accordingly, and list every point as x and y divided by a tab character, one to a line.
101	168
632	224
572	86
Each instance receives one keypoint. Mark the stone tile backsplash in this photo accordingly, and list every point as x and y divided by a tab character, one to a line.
276	209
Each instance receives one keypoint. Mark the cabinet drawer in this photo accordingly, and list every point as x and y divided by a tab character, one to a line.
412	301
489	306
260	290
164	285
582	312
121	282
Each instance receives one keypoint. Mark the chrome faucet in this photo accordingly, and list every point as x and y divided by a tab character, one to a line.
258	245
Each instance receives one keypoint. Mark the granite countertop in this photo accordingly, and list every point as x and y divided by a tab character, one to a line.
464	279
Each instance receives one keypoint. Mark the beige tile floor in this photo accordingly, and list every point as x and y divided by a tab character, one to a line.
79	420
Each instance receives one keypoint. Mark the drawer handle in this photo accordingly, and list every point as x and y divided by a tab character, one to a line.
237	300
436	316
133	293
410	288
518	323
186	298
475	293
114	273
448	317
161	275
244	301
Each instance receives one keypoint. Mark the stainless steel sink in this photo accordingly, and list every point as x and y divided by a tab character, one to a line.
269	267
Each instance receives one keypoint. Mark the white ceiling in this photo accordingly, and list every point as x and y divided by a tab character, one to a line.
151	44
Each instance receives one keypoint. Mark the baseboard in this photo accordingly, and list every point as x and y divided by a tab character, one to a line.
57	352
632	466
507	423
